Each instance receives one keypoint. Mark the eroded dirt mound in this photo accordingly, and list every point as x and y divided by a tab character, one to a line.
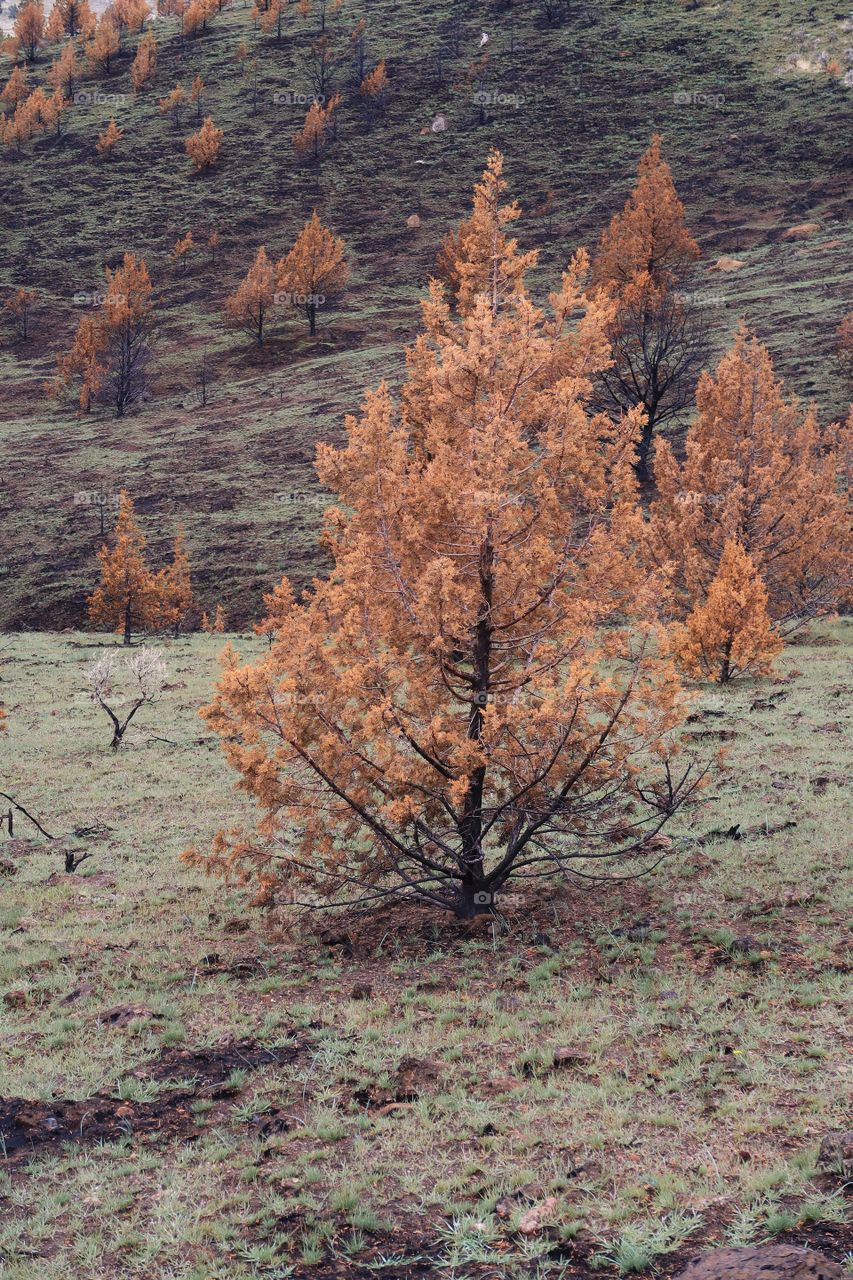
773	1262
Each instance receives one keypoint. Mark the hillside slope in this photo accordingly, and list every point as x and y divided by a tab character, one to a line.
755	145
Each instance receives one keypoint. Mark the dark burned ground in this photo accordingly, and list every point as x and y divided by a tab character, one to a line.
30	1127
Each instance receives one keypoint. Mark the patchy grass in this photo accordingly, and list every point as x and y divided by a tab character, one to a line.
203	1093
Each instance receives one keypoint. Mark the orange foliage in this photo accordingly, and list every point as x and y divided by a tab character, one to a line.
760	471
374	88
182	248
110	349
144	65
314	271
65	70
249	305
130	15
29	28
173	591
127	597
16	88
104	45
18	306
476	690
173	104
203	146
312	138
649	235
730	633
844	346
478	259
70	18
108	139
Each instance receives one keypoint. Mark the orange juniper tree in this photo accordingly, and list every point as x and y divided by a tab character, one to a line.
650	234
182	249
144	65
374	91
476	693
173	590
104	45
479	258
29	28
65	70
19	306
111	352
70	18
203	146
127	598
173	104
312	138
314	272
759	470
659	345
730	634
16	89
250	303
108	140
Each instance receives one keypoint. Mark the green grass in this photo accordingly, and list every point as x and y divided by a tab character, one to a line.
709	1061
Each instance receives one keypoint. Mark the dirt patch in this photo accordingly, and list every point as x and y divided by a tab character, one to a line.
28	1127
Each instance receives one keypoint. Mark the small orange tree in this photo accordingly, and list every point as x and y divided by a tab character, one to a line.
112	349
104	45
144	65
760	471
730	633
19	306
173	104
659	344
29	28
127	597
203	147
65	70
314	272
312	138
70	18
250	303
173	590
108	140
475	693
16	89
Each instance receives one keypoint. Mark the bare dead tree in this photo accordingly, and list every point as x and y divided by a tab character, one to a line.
148	673
660	346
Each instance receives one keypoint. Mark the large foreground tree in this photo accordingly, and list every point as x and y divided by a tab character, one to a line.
478	691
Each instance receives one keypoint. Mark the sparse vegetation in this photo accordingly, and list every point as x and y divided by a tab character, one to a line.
522	798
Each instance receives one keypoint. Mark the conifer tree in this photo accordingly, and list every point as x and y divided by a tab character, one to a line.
250	304
203	147
314	272
730	634
479	258
127	598
759	470
477	691
144	65
650	235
